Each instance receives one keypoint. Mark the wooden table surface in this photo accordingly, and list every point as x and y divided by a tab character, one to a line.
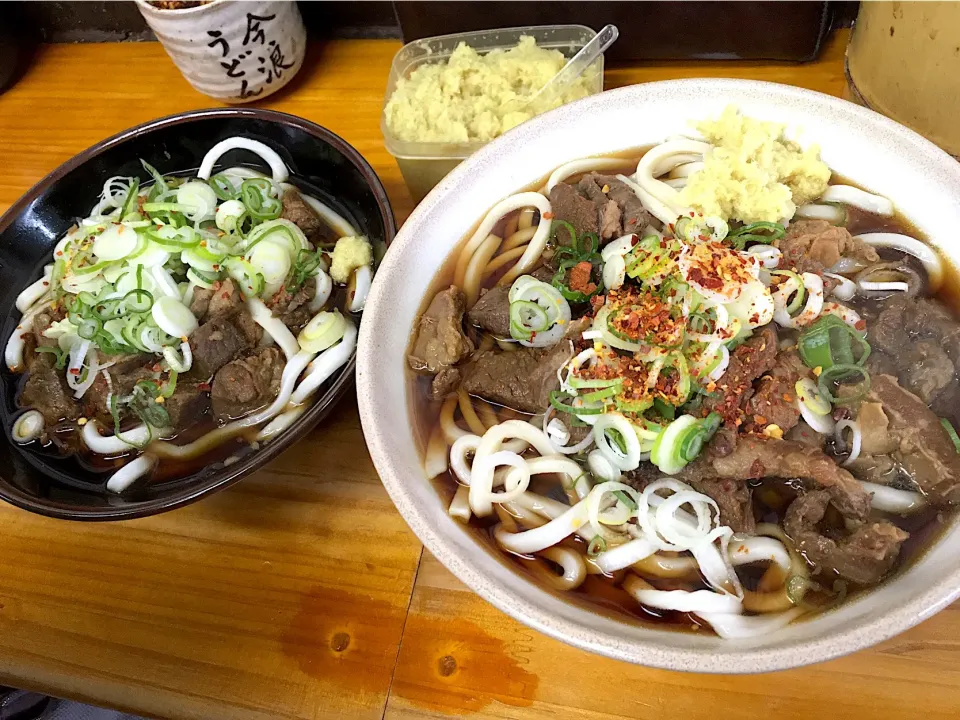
300	592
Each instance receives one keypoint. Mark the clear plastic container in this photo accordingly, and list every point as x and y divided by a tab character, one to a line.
424	164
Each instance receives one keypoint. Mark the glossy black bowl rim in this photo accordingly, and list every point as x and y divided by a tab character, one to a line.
342	383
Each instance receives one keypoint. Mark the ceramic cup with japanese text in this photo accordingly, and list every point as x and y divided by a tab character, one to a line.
232	50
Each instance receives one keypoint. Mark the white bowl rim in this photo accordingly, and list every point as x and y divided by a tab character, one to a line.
506	598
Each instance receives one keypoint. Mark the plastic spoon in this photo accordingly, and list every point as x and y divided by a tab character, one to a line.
577	65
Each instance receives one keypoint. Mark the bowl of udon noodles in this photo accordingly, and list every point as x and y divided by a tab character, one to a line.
670	374
181	303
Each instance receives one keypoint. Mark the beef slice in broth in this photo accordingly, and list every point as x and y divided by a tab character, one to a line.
440	341
244	385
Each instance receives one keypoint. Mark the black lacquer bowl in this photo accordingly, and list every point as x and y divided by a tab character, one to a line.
320	162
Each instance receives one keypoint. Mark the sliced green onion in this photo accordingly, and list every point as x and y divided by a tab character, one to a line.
60	355
138	301
159	182
626	500
526	318
596	546
759	232
951	433
809	395
223	188
255	194
837	374
666	411
563	225
830	341
89	328
130	202
556	400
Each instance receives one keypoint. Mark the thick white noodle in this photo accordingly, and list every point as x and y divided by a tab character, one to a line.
576	167
111	444
537	243
324	288
460	506
280	423
35	292
273	326
849	195
571	562
923	252
130	473
745	550
325	364
685	170
362	280
830	213
733	627
892	500
537	539
658	160
698	601
277	166
856	439
481	480
625	555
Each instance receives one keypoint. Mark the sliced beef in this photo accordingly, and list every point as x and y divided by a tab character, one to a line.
922	446
124	376
188	405
522	379
734	500
200	303
610	214
816	245
241	386
926	369
599	204
492	311
42	322
864	556
903	321
805	435
757	457
446	381
296	210
569	205
215	343
293	308
440	341
747	362
774	401
634	217
46	390
227	299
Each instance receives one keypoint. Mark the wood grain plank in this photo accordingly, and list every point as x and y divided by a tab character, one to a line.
460	655
283	597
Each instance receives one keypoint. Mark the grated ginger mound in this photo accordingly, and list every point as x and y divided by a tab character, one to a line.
471	97
754	173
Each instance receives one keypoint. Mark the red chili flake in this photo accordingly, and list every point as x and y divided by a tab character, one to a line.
74	371
692	214
203	387
548	215
225	295
634	240
59	252
580	278
45	282
860	325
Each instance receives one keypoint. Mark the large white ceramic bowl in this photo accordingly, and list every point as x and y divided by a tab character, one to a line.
873	151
